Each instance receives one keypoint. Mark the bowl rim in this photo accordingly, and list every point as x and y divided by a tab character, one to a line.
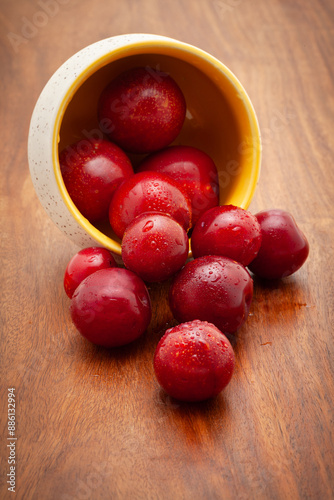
133	41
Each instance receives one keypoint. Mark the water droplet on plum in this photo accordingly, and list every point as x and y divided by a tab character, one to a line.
148	226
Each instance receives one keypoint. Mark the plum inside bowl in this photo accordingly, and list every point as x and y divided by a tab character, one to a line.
220	120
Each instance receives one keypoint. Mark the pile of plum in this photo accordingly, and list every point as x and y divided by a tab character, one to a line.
172	194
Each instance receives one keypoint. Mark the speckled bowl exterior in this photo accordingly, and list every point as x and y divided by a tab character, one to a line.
47	118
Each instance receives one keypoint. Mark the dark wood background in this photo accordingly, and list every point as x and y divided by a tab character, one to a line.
93	424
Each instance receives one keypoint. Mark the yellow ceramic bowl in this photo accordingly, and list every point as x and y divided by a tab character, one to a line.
220	120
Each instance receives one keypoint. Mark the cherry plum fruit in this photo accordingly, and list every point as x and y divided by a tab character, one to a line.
148	192
142	110
154	246
228	231
84	263
111	307
284	247
194	361
193	169
92	171
214	289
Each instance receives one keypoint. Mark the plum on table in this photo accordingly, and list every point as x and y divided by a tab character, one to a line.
111	307
214	289
229	231
85	262
284	247
194	361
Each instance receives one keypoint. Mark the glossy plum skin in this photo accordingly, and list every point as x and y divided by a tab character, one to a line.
142	110
86	262
284	247
228	231
92	171
193	169
111	307
154	246
214	289
194	361
148	192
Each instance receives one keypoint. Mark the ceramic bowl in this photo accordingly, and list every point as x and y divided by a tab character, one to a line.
220	120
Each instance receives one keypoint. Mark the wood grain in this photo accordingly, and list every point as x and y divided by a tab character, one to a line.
93	424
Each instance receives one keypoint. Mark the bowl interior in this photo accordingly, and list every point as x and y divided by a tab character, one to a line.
220	119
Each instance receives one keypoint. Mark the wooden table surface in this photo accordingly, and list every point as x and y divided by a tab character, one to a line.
93	424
